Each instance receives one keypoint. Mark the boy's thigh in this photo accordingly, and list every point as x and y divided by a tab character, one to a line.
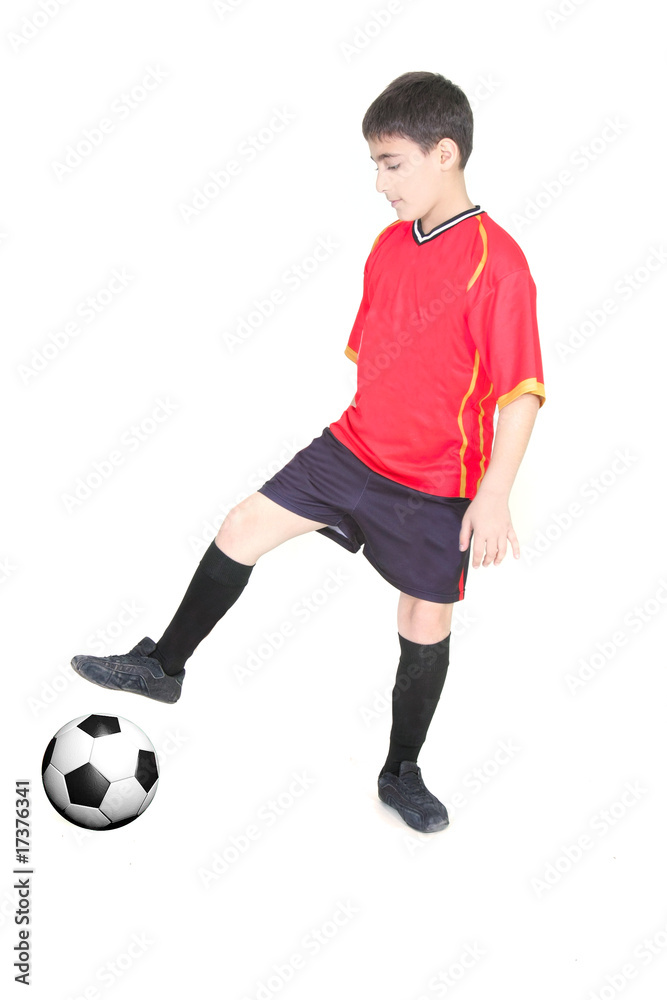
256	525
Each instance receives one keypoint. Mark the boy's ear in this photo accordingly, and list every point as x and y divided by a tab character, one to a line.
448	152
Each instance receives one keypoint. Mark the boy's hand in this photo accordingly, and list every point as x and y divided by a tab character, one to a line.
488	516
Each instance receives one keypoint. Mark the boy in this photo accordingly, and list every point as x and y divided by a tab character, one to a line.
446	330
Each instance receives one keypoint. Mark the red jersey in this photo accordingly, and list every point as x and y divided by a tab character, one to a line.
446	330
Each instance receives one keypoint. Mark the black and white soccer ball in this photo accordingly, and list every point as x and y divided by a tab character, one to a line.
100	771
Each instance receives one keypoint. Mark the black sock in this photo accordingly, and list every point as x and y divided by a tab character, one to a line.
420	678
218	582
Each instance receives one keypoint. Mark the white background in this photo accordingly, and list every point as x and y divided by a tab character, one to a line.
543	89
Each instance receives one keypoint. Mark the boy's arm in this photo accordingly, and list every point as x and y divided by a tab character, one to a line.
488	513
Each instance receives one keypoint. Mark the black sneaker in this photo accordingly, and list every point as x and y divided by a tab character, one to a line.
410	797
136	671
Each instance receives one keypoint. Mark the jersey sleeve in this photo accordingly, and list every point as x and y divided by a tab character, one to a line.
503	326
354	340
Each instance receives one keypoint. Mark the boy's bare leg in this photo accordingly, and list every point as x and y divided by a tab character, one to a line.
423	621
156	670
257	525
251	528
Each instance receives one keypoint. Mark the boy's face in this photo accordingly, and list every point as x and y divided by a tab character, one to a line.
410	179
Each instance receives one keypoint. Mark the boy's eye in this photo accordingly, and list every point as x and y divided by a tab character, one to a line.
390	168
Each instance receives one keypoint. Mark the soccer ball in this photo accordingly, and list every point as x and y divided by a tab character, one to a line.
100	771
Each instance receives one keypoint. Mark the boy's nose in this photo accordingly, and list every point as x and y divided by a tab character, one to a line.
380	183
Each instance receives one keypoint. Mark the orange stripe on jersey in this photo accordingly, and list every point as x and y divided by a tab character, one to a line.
352	355
383	231
464	441
528	385
480	266
481	435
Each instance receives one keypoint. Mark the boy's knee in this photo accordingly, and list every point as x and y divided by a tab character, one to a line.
424	621
232	522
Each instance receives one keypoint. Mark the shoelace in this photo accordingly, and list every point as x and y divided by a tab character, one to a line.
419	791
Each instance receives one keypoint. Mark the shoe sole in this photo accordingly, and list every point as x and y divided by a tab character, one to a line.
103	678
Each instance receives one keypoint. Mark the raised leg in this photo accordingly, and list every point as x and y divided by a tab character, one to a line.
257	525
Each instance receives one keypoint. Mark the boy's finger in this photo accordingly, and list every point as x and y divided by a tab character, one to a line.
514	542
491	551
477	551
502	550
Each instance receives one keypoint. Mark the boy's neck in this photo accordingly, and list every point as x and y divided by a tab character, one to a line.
445	210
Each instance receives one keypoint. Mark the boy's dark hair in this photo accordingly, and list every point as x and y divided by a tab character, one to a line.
423	107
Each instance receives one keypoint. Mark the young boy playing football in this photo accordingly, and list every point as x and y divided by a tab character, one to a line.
446	331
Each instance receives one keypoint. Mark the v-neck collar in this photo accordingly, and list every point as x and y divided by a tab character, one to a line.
420	236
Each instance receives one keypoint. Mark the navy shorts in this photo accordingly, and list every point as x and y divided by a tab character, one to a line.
411	538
